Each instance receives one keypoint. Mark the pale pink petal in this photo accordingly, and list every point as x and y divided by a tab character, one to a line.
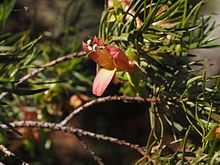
85	47
101	43
95	41
102	79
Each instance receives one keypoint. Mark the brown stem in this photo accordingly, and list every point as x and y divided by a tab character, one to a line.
105	99
41	69
97	159
11	154
78	132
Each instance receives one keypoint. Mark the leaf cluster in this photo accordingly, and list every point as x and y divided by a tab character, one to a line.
157	36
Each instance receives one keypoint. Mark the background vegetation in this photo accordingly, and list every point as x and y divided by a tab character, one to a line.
166	112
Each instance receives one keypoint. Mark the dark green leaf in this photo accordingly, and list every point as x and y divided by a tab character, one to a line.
21	92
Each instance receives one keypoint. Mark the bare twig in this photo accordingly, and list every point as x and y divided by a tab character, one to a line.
10	154
78	132
49	64
10	127
105	99
97	159
41	69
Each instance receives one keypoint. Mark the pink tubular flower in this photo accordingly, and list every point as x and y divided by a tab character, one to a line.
110	59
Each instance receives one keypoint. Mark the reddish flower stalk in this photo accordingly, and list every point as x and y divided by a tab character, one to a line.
110	58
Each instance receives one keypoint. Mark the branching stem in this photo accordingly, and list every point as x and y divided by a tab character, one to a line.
76	131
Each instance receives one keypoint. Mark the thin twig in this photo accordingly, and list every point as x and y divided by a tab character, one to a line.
97	159
10	154
105	99
49	64
41	69
77	131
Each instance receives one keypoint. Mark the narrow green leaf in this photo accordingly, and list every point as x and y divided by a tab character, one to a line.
5	10
9	59
185	10
151	16
210	46
190	81
22	92
30	45
169	11
184	144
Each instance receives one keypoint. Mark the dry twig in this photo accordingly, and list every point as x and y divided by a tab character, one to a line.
41	69
97	159
78	132
10	154
106	99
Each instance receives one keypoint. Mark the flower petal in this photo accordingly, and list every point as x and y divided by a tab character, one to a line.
101	43
85	47
102	79
103	58
95	40
121	61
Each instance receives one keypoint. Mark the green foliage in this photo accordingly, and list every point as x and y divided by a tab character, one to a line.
159	35
44	95
6	8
